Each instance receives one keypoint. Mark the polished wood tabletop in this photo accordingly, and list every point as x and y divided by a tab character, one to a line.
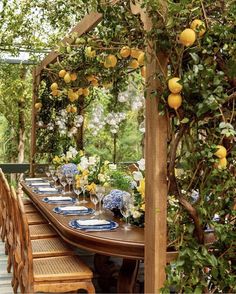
118	242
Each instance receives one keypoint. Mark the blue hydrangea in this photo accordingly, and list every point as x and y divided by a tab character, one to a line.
113	199
69	168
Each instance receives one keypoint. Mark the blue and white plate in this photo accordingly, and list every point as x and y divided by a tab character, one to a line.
59	200
47	190
64	211
111	225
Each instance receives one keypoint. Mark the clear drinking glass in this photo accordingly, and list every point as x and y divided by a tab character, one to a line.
125	209
69	179
94	200
100	192
83	184
63	182
77	190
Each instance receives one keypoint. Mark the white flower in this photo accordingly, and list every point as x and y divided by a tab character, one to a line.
84	163
141	164
92	160
101	178
73	151
137	175
112	166
136	214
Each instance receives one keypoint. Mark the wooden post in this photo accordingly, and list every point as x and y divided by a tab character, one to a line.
36	82
156	177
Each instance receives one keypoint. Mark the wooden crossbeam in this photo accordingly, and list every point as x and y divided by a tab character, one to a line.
89	22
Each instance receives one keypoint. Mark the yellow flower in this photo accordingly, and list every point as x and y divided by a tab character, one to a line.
81	153
85	173
141	187
143	207
106	162
91	188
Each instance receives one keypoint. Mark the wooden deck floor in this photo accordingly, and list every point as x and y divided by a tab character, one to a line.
5	278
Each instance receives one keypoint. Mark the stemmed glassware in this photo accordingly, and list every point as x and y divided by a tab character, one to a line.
63	181
69	179
77	190
94	200
100	192
47	172
125	209
83	184
55	177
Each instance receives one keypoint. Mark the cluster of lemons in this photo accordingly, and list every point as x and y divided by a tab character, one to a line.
186	38
189	35
221	153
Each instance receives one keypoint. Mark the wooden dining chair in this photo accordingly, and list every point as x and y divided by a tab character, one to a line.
51	274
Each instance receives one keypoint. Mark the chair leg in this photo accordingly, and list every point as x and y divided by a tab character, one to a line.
90	288
9	262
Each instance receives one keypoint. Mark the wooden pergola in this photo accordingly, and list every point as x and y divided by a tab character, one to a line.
155	155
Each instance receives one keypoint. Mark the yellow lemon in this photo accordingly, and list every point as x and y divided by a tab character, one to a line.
73	109
38	105
174	101
125	52
73	76
134	64
62	73
222	163
135	52
110	61
94	82
198	26
174	85
67	78
141	58
55	92
187	37
90	53
80	91
90	78
85	91
108	85
221	151
68	108
144	71
54	86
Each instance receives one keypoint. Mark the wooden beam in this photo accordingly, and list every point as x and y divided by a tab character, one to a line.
85	25
89	22
156	177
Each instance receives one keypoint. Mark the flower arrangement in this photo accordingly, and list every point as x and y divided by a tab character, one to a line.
71	156
113	199
138	186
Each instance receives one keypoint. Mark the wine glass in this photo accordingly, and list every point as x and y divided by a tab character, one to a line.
63	182
47	172
55	178
77	190
94	200
51	169
69	179
125	209
100	192
83	184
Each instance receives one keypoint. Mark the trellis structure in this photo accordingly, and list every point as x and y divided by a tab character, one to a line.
155	155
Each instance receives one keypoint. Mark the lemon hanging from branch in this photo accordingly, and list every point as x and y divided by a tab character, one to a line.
174	101
174	86
187	37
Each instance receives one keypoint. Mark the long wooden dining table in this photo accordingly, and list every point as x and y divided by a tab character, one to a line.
120	243
129	245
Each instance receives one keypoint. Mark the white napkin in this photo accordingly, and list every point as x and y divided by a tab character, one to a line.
60	198
47	189
33	179
40	184
93	222
73	208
